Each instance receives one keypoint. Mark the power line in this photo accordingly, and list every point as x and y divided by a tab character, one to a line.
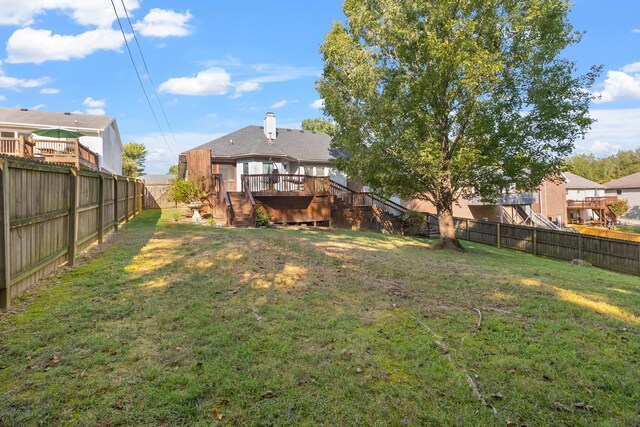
144	62
126	42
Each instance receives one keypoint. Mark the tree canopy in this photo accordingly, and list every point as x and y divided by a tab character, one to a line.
173	170
434	99
319	124
133	158
604	169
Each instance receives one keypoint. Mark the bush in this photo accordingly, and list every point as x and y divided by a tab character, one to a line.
619	207
262	217
188	191
415	223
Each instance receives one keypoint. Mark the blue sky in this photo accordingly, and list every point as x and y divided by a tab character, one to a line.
218	66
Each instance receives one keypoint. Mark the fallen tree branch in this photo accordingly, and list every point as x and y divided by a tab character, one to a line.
444	349
479	317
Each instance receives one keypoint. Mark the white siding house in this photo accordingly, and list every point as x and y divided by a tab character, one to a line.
628	188
101	133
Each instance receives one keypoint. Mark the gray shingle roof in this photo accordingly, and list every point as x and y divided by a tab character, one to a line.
579	183
629	181
39	118
292	143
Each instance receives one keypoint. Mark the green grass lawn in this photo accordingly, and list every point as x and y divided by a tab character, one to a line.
177	324
628	228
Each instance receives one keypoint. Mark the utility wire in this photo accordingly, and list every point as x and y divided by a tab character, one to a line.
144	62
126	42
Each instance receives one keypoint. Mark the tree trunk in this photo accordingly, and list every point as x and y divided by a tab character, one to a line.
444	207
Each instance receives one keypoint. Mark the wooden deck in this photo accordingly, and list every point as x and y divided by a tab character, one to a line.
51	151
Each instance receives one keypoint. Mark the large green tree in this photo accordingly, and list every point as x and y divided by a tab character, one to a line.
133	158
603	169
319	124
434	99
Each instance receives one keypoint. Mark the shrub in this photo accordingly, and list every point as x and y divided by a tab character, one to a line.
619	207
416	223
188	191
262	217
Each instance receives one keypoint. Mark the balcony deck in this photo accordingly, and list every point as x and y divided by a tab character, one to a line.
51	151
279	185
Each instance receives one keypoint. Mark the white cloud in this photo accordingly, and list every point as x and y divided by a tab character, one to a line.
280	104
619	86
615	129
16	83
244	87
631	68
317	104
164	23
97	13
49	91
38	46
217	81
94	103
96	111
636	30
212	81
3	98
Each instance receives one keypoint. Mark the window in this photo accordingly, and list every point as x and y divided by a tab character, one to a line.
618	192
7	134
245	168
308	170
267	167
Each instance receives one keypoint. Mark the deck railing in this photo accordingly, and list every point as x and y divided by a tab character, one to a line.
16	147
66	151
286	185
592	202
223	197
359	199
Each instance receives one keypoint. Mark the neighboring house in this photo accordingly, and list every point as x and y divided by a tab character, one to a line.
267	149
628	188
101	136
544	207
586	200
288	173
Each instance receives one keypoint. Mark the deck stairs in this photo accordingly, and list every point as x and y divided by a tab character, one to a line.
531	217
240	210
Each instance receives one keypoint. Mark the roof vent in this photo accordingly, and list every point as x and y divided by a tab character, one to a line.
24	109
66	113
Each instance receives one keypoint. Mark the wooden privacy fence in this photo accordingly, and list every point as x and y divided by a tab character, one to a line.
612	254
49	213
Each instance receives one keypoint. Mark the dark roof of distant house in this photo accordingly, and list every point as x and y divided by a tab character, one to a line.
292	143
579	183
629	181
151	178
39	118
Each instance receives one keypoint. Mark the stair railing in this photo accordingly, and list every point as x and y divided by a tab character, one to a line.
356	198
247	192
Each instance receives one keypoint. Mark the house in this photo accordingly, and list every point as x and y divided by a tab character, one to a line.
267	150
627	188
289	172
99	148
586	201
544	207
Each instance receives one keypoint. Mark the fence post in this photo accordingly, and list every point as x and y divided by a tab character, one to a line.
5	272
498	235
126	200
466	223
100	208
579	246
535	241
638	258
115	203
135	198
73	215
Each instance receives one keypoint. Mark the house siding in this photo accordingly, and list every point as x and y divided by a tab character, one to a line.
631	195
